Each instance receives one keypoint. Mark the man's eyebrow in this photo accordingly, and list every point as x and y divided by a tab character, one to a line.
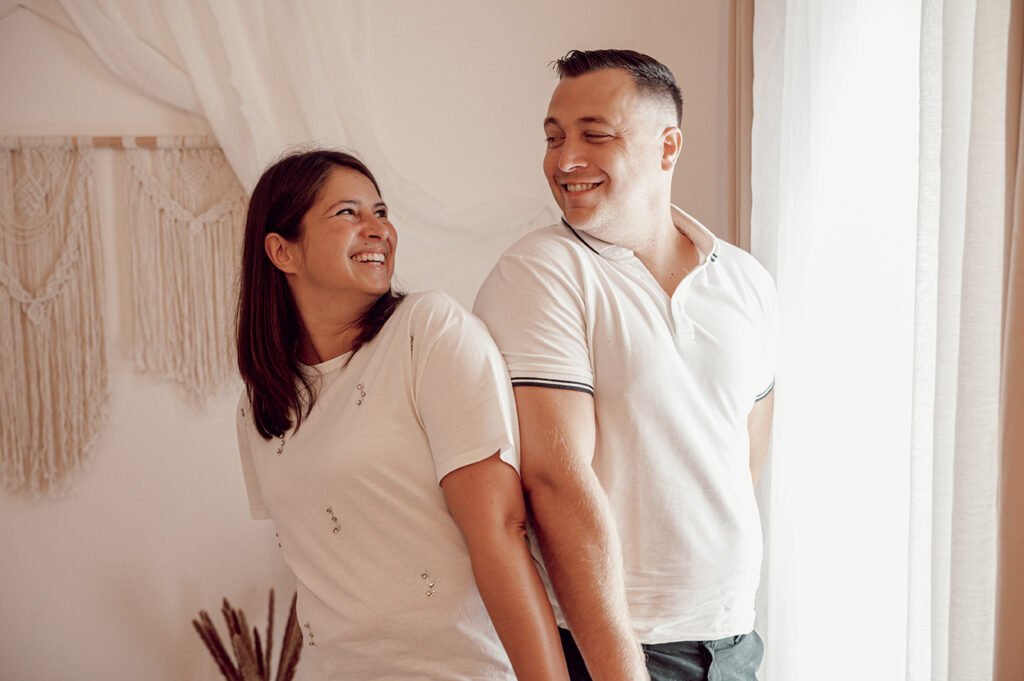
551	120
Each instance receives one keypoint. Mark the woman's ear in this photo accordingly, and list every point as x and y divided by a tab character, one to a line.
283	253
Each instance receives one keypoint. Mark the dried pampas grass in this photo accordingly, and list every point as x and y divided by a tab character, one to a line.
252	658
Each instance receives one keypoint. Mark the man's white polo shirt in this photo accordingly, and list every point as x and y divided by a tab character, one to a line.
673	380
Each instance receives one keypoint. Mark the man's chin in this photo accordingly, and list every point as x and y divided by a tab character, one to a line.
579	217
591	221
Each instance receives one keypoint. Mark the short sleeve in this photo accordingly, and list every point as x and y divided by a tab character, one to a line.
769	349
243	417
535	311
462	392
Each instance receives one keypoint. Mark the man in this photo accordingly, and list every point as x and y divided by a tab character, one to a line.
640	348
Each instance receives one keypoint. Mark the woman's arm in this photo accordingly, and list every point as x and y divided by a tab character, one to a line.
486	501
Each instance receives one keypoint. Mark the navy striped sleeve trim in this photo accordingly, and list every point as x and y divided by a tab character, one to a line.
551	383
764	393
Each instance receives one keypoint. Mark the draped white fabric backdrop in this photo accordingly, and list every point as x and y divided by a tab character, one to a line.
268	75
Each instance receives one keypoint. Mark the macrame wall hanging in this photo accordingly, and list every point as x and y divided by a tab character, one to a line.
187	210
53	373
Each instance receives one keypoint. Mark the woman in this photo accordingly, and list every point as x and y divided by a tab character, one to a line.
377	431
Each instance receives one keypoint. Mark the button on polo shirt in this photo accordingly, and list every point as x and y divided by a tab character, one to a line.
673	380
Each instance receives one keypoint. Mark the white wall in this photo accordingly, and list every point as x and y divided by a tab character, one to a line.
102	584
460	89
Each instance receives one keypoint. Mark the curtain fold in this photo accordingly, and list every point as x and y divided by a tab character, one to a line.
270	75
130	58
958	317
1009	653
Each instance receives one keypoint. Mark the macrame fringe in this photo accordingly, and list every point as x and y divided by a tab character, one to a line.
53	372
187	211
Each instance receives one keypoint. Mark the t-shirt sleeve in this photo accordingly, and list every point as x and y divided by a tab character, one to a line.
535	311
243	418
769	350
462	392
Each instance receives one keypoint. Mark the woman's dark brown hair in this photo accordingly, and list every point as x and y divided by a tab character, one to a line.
268	325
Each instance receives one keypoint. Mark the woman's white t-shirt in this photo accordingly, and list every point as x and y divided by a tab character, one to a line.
384	580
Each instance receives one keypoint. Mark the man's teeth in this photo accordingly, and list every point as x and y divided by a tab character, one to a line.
581	187
368	257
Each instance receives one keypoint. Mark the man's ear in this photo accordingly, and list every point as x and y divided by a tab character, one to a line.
671	145
283	253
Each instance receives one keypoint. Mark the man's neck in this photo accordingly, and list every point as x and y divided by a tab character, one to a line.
668	254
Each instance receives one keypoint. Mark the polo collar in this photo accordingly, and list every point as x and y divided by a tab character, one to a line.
602	248
702	237
705	241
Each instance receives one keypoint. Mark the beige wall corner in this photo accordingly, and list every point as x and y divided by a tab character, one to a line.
741	83
1009	653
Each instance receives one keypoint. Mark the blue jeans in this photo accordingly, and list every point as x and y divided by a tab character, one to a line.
734	658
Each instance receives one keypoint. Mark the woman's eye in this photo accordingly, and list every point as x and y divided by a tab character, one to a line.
345	211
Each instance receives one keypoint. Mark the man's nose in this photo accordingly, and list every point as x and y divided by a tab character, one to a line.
571	156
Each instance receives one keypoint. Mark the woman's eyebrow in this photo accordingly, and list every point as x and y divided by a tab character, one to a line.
334	205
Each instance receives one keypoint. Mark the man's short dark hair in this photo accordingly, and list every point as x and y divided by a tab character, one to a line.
652	78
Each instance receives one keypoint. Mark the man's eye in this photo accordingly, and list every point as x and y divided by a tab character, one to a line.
597	136
553	141
382	213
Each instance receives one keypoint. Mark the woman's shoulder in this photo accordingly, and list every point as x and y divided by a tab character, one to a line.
432	306
433	313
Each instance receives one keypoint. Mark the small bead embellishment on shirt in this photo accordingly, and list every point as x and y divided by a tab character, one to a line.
309	633
362	393
425	576
334	519
277	538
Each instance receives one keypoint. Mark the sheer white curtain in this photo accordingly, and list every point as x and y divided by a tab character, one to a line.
960	265
878	176
267	74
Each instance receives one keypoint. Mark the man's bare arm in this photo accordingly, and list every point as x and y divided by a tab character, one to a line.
575	528
759	426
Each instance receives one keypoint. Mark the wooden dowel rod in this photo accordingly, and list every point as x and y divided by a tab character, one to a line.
145	142
112	142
